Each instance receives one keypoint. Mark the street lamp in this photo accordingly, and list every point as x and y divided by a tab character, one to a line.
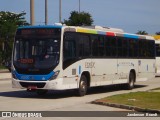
60	11
79	6
46	12
32	12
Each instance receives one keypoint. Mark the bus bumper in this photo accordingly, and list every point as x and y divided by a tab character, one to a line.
56	84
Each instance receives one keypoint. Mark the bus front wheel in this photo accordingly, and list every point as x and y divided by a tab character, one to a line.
82	86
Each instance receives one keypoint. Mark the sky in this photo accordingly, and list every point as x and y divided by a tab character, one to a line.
129	15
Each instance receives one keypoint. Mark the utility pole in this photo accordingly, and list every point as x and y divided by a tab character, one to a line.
32	12
46	12
79	6
60	11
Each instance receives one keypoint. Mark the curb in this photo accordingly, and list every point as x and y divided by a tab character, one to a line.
6	75
133	108
5	79
4	71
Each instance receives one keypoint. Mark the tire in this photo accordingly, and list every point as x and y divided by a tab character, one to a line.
130	84
82	90
41	92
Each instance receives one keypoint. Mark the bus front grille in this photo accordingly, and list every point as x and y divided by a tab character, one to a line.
27	84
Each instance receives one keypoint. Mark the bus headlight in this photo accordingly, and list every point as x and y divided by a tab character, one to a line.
55	75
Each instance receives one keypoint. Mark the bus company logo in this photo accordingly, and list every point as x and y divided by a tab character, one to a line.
90	65
6	114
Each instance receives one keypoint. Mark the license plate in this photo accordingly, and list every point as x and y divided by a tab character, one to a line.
32	87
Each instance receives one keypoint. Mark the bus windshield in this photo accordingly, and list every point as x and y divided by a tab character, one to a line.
36	54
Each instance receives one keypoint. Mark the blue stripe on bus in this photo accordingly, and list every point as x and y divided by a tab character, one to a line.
101	33
34	77
131	36
80	70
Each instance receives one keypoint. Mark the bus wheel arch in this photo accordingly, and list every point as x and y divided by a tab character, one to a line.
84	83
134	72
131	80
87	75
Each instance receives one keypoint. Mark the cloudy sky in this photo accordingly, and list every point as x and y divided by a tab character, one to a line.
130	15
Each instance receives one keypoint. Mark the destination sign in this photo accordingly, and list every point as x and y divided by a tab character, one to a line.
39	31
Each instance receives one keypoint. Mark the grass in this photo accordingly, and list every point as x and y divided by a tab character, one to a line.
2	67
146	100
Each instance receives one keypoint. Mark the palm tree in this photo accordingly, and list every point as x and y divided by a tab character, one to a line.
142	32
157	33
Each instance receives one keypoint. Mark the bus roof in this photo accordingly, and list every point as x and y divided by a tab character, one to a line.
107	31
93	30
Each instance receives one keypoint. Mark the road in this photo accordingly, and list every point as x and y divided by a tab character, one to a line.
12	99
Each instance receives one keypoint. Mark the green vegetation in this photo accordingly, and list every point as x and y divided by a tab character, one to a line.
9	22
146	100
79	19
157	33
142	32
2	67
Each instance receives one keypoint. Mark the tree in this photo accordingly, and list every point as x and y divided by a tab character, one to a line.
142	32
157	33
79	19
8	24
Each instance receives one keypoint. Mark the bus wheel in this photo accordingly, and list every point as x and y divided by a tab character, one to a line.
82	86
42	92
130	84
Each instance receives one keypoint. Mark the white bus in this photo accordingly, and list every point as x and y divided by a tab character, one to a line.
157	42
66	57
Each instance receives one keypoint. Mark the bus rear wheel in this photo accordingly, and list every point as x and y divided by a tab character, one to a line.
82	86
130	84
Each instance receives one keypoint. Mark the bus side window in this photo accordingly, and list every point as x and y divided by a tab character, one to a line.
84	48
111	46
152	49
101	47
69	50
143	48
133	48
95	44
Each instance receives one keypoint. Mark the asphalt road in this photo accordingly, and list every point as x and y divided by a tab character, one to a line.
19	100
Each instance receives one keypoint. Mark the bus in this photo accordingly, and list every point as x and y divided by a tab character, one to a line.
157	42
59	57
